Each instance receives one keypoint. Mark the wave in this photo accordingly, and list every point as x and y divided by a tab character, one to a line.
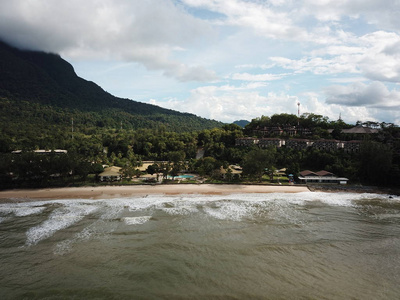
281	207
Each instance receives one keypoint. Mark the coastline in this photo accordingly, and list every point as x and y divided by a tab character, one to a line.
353	189
106	192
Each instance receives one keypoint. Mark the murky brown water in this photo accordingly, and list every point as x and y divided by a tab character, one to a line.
255	246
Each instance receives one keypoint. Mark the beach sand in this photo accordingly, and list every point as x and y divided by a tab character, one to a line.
105	192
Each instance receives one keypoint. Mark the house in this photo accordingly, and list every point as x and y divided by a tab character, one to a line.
234	170
298	144
361	130
352	146
266	142
290	130
322	176
327	145
41	151
111	174
246	141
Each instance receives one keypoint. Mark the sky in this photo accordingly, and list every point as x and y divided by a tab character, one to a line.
226	60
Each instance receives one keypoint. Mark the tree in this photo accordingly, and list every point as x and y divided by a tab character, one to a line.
128	171
375	162
205	166
271	173
176	161
256	161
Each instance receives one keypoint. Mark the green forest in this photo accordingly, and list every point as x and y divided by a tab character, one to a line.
377	162
45	105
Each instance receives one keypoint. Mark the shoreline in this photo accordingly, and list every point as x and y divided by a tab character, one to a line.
353	189
106	192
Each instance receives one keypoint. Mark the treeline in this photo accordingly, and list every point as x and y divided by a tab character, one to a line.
41	92
318	126
377	162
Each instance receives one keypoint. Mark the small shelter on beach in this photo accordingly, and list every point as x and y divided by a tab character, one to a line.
322	176
233	169
111	174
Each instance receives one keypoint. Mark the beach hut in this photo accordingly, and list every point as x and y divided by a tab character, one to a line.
111	174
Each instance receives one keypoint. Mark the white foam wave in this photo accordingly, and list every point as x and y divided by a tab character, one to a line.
65	246
232	210
60	218
136	220
21	211
233	207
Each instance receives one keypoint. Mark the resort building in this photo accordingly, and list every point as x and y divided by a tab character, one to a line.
352	146
360	130
301	144
246	141
111	174
236	171
327	145
55	151
322	176
287	129
298	144
267	142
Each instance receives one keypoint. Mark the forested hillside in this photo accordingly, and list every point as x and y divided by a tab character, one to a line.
40	92
45	105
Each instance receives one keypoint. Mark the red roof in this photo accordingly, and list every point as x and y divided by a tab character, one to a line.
324	173
307	173
319	173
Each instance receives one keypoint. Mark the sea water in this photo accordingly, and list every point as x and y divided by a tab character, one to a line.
246	246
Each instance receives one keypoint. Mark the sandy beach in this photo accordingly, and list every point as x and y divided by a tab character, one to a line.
104	192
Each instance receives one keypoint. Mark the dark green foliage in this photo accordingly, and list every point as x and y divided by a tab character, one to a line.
30	169
44	105
257	161
241	123
207	165
375	163
40	92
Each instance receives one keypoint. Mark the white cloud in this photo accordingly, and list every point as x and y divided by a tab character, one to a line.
258	16
382	14
147	32
375	94
228	104
172	46
316	65
256	77
373	55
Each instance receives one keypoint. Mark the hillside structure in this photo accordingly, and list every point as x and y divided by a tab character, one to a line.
322	176
300	144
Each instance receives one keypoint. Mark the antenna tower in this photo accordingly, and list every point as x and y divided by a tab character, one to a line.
298	109
298	113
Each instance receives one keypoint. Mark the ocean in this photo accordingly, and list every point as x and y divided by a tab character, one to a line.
308	245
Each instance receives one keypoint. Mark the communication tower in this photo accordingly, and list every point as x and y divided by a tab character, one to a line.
298	113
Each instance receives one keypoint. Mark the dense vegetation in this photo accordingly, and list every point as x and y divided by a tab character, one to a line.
41	91
377	162
44	105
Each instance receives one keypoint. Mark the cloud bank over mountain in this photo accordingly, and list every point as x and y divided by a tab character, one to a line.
226	59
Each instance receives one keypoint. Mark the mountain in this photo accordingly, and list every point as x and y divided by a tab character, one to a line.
42	90
241	123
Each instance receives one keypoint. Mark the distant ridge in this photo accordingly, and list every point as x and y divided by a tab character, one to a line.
241	123
37	87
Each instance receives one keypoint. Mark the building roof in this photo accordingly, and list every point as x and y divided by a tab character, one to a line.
233	168
111	171
324	173
360	130
41	151
307	173
319	173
